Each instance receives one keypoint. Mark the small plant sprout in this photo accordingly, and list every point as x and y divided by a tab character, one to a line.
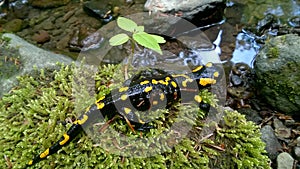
138	36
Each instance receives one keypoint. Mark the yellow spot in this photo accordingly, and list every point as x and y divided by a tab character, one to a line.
30	162
148	89
184	83
123	89
206	81
154	81
162	96
100	105
144	82
127	110
209	64
181	75
124	97
216	74
101	98
174	84
155	102
141	121
197	69
168	78
198	99
66	139
45	153
81	121
163	82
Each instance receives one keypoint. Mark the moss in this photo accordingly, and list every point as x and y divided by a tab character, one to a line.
273	52
40	109
244	148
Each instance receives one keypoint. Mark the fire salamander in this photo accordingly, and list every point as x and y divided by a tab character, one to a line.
148	90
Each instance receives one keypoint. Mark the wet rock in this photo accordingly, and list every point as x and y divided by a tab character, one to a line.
236	80
31	55
79	38
251	115
272	144
285	161
14	25
295	21
93	41
48	3
104	11
186	9
41	37
278	76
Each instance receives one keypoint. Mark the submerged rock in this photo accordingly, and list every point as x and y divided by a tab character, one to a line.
278	76
48	3
186	9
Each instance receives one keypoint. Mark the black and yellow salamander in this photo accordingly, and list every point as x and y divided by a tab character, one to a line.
148	90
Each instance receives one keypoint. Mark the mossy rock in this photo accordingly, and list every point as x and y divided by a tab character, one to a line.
14	25
277	73
33	116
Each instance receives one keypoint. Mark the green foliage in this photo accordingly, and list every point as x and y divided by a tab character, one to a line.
39	110
138	35
244	148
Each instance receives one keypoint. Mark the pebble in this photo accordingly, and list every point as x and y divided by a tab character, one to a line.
285	161
272	144
297	153
41	37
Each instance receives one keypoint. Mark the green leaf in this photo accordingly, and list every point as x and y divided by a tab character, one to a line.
126	24
140	29
118	39
147	41
158	39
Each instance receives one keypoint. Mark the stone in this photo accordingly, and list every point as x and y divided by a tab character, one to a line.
41	37
297	152
185	8
298	141
278	76
251	115
272	144
285	161
48	3
14	25
30	56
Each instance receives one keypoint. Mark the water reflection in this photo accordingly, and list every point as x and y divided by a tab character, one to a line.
245	50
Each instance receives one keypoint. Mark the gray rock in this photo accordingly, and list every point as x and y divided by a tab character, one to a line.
251	115
285	161
277	69
272	144
298	141
30	56
188	8
297	153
